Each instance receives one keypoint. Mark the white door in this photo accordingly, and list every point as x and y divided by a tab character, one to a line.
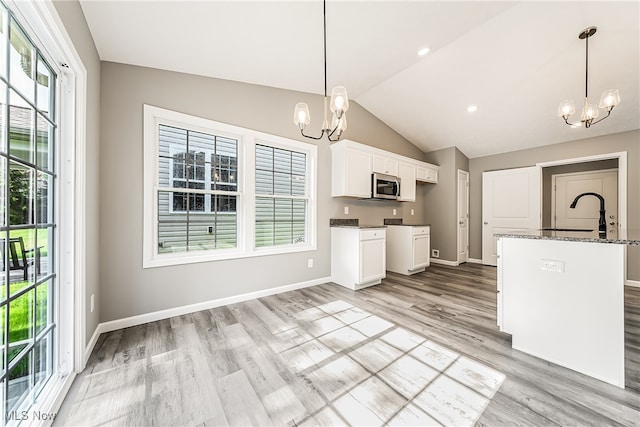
420	251
585	215
511	202
463	216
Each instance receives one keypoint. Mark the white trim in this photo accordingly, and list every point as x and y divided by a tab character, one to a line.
622	181
245	208
127	322
475	261
633	283
91	344
444	262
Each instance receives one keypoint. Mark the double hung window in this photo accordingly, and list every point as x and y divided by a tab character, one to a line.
215	191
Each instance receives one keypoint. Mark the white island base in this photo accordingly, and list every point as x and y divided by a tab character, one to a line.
563	301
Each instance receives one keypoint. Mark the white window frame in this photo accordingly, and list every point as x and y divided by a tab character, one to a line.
245	204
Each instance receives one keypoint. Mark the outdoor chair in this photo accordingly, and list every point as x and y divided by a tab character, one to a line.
19	257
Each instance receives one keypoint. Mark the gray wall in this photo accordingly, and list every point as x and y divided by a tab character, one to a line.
126	288
441	200
73	18
625	141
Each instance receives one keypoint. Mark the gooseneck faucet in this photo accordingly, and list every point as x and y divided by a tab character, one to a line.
602	223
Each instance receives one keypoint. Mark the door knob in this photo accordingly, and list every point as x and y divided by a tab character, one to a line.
485	223
612	223
461	222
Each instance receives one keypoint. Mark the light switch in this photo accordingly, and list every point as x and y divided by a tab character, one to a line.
346	210
394	211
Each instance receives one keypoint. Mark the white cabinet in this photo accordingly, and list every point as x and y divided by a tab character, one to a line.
385	165
351	172
408	248
353	163
426	174
358	256
407	174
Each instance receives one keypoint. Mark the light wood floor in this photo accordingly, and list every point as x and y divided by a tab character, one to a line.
419	350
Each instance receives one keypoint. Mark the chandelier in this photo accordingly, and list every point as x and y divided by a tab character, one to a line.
609	99
339	102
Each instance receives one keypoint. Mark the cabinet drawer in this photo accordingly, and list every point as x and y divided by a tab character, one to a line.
377	233
420	230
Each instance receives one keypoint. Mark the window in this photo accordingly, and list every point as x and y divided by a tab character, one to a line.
215	191
197	190
281	200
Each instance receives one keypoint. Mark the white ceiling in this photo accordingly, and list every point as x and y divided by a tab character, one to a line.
515	60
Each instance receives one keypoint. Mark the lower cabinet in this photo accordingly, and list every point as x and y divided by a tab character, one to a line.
358	256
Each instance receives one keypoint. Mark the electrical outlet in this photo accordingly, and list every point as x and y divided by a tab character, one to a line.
552	265
394	211
93	300
346	210
310	263
435	253
412	212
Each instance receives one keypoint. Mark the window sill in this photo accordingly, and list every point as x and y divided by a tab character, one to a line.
166	260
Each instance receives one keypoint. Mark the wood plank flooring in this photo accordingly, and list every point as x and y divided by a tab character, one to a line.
419	350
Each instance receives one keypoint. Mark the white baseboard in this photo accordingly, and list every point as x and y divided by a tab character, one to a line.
633	283
114	325
90	346
443	262
475	260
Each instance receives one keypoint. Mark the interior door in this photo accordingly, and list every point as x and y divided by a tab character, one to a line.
587	211
511	202
463	216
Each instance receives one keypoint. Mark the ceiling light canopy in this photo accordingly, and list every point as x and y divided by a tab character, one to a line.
590	112
338	106
472	108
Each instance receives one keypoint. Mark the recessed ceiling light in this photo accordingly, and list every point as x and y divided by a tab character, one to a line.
472	108
423	51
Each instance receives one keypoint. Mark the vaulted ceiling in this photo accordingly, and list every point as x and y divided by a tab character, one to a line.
515	60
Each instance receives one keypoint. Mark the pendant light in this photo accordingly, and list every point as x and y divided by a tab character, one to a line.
338	105
590	112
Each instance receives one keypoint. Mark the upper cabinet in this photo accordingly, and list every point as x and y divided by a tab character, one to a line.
351	171
353	163
426	174
384	164
407	174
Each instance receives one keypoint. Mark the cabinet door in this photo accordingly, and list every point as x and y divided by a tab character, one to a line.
358	173
372	260
421	248
386	165
407	173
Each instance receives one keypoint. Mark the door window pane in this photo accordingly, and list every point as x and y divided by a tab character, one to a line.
45	79
44	143
21	128
21	200
20	323
21	62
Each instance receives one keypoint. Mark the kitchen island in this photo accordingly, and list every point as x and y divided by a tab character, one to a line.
562	299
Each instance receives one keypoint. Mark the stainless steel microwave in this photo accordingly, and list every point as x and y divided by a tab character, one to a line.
385	186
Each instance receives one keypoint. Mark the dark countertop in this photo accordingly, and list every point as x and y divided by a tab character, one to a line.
409	225
569	236
359	226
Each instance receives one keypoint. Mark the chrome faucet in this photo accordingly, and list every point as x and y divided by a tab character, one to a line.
602	223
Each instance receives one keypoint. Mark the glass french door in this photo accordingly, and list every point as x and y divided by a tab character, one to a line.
27	222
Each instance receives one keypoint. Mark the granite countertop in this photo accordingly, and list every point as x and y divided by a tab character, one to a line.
359	226
569	236
411	225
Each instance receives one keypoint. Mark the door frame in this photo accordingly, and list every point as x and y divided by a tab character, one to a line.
458	228
621	156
